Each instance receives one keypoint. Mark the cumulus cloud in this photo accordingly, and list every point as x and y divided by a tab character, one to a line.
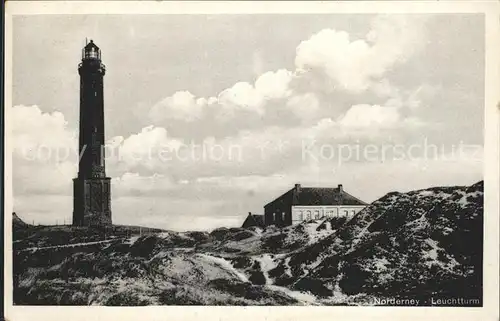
356	65
367	115
147	149
340	58
153	151
45	152
40	134
182	105
270	85
274	85
270	88
304	106
331	58
241	95
257	151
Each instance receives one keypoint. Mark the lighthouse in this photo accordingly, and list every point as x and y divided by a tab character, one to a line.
91	188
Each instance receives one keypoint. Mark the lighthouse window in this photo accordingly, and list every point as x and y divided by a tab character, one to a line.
93	53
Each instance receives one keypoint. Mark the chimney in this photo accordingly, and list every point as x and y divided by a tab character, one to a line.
341	196
250	213
297	187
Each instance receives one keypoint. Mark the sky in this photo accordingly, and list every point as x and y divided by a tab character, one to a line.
209	117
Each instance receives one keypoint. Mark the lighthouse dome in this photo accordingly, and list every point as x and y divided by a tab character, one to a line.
91	51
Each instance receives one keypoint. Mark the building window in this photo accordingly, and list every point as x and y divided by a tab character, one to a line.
274	217
316	214
283	216
308	217
353	212
346	212
301	216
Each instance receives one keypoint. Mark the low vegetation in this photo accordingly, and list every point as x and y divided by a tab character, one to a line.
419	245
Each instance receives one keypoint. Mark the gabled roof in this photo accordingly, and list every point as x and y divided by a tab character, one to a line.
325	196
254	220
319	196
259	219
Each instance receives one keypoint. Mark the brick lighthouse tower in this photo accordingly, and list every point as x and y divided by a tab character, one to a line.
91	189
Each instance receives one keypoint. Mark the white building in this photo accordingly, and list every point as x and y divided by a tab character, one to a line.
307	203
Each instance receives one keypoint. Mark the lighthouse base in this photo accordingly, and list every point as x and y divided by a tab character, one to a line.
92	201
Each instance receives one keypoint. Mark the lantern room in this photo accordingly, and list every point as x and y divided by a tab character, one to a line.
91	51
